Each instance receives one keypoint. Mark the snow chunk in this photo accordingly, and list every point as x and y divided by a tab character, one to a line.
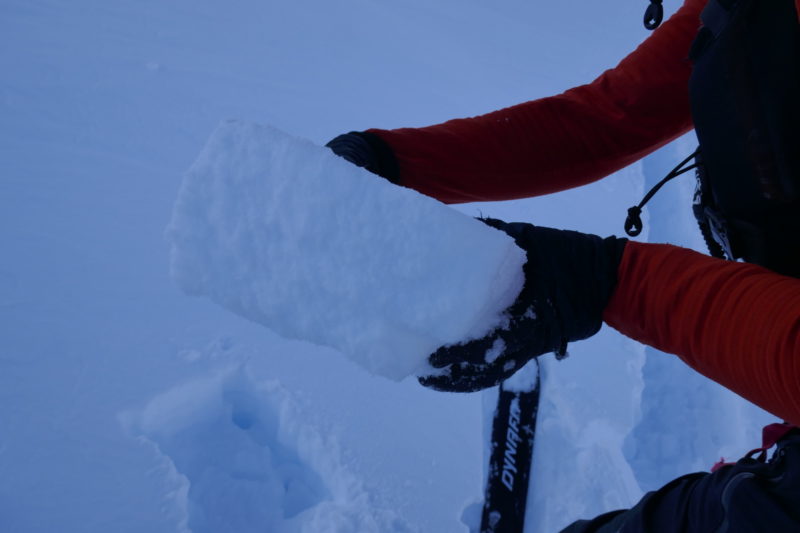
495	351
285	233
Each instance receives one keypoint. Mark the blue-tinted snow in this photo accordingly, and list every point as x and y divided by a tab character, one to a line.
110	378
290	235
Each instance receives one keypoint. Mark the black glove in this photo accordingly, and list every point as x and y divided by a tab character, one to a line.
367	150
569	279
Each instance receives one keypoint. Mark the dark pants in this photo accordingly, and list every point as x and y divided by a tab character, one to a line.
749	496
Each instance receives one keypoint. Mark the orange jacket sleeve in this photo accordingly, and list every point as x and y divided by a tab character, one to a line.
563	141
736	323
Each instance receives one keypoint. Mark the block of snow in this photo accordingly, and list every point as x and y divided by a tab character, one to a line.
285	233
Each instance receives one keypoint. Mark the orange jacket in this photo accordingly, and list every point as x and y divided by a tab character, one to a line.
738	324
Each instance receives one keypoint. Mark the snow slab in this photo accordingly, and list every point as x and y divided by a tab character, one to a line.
289	235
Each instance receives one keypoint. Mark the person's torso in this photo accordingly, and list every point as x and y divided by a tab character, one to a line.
745	94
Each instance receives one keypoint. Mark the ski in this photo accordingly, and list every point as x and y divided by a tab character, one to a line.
513	430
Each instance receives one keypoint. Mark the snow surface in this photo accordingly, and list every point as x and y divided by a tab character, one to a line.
289	235
126	406
524	380
276	474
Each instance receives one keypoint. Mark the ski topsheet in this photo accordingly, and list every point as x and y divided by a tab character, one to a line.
513	431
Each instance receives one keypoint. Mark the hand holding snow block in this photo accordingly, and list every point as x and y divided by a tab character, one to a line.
286	234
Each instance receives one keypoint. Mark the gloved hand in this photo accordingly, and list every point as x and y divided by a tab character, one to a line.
569	279
367	150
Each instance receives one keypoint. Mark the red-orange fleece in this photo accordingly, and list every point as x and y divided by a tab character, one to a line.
738	324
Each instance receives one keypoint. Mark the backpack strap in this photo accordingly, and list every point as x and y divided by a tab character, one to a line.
716	16
771	434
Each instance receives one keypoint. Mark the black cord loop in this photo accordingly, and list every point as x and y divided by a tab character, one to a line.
653	15
633	222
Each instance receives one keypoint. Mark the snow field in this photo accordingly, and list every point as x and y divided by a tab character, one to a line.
289	235
105	105
240	459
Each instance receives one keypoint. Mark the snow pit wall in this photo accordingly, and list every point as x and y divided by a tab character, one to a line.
287	234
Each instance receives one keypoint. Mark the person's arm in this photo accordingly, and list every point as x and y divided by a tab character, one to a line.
562	141
736	323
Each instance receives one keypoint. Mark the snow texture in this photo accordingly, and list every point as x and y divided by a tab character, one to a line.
524	380
105	104
239	458
496	350
293	237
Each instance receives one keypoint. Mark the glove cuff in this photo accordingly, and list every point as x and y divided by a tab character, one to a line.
572	273
587	285
384	163
367	150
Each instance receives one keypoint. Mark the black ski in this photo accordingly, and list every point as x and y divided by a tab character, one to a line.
513	430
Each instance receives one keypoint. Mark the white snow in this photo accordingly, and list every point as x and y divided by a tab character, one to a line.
289	235
260	467
524	380
497	349
126	406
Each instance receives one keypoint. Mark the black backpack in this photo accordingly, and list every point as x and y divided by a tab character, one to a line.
745	97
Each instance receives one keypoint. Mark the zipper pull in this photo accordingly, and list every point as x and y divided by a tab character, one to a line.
654	15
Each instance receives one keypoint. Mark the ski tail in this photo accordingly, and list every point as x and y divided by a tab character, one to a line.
513	431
